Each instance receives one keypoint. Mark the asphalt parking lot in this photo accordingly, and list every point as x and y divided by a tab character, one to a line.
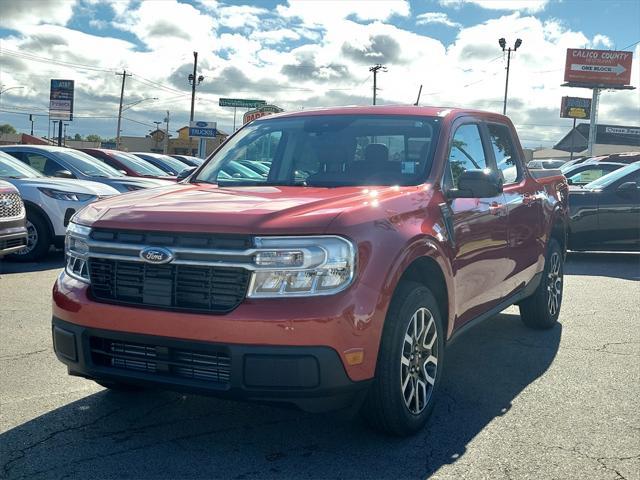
516	403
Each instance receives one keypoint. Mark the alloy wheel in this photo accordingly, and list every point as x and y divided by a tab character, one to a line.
554	284
419	361
32	239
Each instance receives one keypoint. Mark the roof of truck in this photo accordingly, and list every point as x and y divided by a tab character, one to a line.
427	111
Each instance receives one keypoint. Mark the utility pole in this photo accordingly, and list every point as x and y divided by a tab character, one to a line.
124	77
503	43
192	80
166	137
65	134
375	69
31	120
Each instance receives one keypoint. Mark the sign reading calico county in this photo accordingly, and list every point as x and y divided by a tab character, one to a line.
598	67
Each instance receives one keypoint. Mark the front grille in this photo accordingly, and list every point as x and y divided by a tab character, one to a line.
169	286
184	240
14	242
209	366
11	205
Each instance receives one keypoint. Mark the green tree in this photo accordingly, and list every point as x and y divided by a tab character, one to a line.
93	138
7	128
77	136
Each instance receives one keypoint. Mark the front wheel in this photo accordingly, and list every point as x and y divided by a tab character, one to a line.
542	309
410	363
38	239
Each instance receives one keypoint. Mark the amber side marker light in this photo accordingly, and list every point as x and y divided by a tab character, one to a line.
355	356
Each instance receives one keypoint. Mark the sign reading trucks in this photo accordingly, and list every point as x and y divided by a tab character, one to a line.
598	68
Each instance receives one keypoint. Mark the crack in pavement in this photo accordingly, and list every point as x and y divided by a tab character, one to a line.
153	444
18	356
6	468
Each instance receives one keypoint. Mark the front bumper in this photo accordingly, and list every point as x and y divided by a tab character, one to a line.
13	236
312	378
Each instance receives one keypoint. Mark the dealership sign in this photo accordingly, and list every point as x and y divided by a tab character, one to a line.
61	99
575	107
202	129
265	110
240	102
598	68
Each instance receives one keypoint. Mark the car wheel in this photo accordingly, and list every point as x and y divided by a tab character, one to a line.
38	239
410	363
542	309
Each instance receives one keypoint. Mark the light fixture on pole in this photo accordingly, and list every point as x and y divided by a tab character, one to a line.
503	44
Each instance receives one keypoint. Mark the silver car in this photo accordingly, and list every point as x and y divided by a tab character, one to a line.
68	163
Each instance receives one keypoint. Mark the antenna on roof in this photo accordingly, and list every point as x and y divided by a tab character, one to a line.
418	99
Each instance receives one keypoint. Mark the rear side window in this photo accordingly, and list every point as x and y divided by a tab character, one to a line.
466	152
504	151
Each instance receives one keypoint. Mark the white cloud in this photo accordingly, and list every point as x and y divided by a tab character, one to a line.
323	12
602	40
437	18
530	6
16	14
303	55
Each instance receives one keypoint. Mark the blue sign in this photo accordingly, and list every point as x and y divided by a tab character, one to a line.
203	129
202	132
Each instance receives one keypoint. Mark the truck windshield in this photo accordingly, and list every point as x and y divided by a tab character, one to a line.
327	151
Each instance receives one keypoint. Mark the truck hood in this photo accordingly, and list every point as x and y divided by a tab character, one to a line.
66	185
208	208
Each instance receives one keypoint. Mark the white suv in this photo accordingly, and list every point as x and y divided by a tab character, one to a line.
50	203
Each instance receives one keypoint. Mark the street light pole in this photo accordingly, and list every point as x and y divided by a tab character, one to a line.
192	80
503	43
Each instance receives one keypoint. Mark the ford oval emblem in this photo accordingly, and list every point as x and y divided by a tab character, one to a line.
156	255
201	124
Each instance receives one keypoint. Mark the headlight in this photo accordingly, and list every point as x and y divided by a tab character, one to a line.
301	266
68	196
76	250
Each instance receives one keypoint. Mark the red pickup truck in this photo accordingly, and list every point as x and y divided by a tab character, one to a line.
335	278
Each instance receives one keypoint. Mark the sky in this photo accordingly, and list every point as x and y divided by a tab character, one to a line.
305	54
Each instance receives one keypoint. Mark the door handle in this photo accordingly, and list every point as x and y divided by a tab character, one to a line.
497	209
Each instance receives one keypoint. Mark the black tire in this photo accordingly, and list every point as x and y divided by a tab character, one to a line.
41	242
389	407
542	309
119	386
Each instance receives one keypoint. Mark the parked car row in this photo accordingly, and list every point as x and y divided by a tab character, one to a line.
53	183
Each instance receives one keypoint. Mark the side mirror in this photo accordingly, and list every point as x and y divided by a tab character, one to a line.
627	188
63	174
569	181
477	184
185	173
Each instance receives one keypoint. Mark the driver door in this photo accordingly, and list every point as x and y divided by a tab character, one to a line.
479	239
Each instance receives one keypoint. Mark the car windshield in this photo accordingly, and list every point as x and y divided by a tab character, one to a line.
606	180
88	165
171	165
137	164
12	168
327	151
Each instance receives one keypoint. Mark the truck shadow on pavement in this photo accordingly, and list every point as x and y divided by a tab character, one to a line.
55	260
169	435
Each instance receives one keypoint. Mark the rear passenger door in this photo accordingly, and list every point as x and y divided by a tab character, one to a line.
479	228
523	201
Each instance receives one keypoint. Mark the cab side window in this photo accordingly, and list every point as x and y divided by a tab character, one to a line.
505	153
466	152
42	164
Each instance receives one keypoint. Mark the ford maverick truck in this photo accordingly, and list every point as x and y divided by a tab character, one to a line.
335	277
